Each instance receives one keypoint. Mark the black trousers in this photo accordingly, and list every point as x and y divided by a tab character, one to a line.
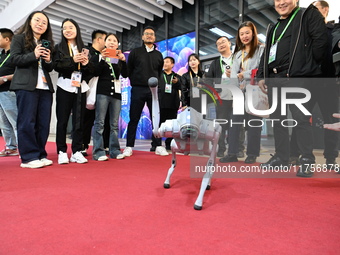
224	112
326	95
67	103
303	128
139	96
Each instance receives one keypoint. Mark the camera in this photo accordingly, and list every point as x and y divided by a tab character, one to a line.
46	43
227	67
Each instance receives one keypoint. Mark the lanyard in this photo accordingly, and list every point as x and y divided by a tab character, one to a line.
3	62
192	81
243	66
221	63
284	30
112	70
172	76
71	53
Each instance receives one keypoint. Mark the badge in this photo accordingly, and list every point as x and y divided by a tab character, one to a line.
272	53
195	92
76	79
168	88
118	87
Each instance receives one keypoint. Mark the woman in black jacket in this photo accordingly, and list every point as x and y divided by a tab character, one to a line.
108	98
71	61
190	82
31	53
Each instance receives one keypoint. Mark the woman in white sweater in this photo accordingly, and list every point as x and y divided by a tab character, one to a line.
247	57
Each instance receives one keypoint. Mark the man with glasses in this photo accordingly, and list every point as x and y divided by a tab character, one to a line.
143	63
220	71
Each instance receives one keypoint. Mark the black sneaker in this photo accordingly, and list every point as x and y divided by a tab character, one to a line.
153	149
274	161
331	164
250	160
229	158
305	169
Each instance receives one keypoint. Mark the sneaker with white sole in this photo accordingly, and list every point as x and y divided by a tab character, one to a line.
63	158
127	152
120	156
78	158
160	150
47	162
103	158
33	164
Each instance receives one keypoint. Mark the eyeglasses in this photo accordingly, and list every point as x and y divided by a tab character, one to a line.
221	42
38	21
151	34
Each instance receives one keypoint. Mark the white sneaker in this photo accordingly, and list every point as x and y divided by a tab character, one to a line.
102	158
63	158
46	161
127	152
120	156
78	158
161	151
33	164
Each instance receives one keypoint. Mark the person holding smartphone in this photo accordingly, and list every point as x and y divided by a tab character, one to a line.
108	98
33	87
74	74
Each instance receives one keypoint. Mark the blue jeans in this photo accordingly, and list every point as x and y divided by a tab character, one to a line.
113	105
8	118
34	116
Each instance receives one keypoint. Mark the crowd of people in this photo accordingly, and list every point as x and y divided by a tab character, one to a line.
299	46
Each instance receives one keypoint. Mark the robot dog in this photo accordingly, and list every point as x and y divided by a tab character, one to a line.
191	134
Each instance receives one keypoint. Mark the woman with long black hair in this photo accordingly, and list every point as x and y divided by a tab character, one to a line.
31	53
71	61
247	57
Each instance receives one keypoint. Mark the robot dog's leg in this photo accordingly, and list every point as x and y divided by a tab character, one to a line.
204	185
172	168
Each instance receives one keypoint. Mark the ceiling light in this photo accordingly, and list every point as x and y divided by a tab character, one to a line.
202	53
220	32
54	22
161	2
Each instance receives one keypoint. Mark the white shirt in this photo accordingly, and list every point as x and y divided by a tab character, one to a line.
65	83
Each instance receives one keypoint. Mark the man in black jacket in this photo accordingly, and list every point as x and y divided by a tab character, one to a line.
219	70
143	63
169	86
295	47
327	98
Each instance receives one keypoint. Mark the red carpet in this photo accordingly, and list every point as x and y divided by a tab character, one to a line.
121	207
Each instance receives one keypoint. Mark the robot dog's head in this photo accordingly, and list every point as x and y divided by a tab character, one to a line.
189	132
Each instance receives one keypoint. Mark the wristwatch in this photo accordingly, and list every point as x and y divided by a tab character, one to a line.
4	79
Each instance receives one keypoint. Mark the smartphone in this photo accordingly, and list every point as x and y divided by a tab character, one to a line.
46	44
85	52
112	53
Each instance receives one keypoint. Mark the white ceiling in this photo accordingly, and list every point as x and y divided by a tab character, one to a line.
108	15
